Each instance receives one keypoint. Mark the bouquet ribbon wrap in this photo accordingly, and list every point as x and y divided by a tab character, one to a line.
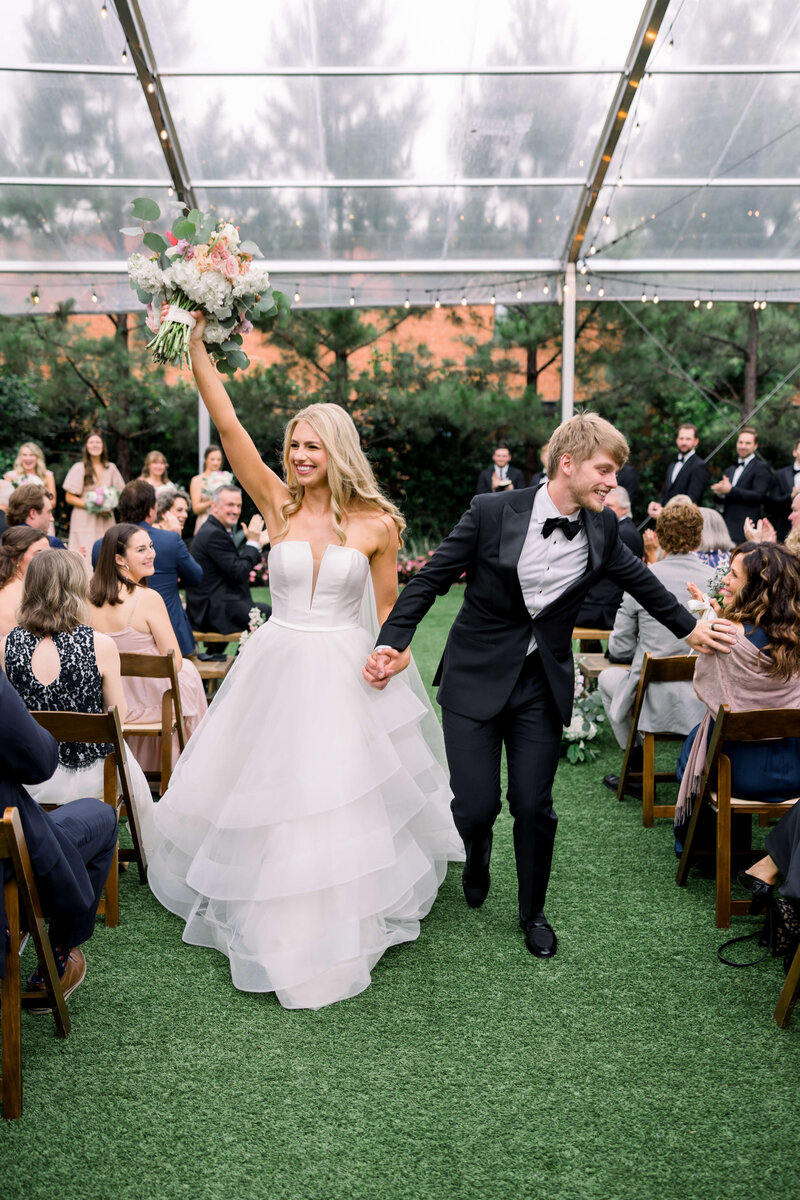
180	315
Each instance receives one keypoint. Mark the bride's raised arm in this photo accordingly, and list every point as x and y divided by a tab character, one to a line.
261	483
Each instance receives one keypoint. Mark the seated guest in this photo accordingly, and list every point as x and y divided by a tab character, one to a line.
222	603
71	850
31	505
57	663
174	564
761	601
17	547
122	605
715	544
668	707
785	488
603	599
172	509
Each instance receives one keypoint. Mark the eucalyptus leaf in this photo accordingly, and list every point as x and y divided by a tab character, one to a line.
195	216
237	358
184	228
154	241
133	231
233	343
144	296
250	248
144	209
224	367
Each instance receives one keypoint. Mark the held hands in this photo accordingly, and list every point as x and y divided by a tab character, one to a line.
382	664
707	637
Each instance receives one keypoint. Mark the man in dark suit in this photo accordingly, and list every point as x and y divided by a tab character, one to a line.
686	476
744	486
71	849
785	486
29	504
507	676
502	477
174	565
599	609
222	603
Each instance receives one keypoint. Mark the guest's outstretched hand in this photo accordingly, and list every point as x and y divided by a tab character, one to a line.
708	637
383	663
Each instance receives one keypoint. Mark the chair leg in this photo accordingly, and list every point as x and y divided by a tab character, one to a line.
11	1016
686	856
112	893
648	779
789	993
723	871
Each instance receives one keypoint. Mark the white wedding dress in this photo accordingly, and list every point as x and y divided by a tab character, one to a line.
307	825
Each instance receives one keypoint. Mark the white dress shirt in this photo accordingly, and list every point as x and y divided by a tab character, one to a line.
678	466
548	566
737	474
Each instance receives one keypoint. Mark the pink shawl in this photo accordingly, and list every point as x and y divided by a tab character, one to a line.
740	681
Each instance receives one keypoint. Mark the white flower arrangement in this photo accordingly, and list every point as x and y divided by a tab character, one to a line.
255	619
587	715
101	501
202	263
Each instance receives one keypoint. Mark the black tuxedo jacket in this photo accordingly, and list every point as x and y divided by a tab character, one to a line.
747	498
691	480
29	754
222	602
780	499
488	641
599	608
484	483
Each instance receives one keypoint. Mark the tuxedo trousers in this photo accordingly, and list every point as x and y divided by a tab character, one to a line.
530	730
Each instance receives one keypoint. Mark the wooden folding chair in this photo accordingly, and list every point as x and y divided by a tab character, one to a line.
213	673
158	666
677	668
763	724
585	636
117	788
789	993
21	886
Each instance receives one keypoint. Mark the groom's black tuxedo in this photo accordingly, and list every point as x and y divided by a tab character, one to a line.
486	648
492	692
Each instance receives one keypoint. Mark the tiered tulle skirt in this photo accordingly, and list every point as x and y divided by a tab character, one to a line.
307	826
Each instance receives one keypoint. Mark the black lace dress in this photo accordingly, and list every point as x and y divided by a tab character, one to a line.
78	687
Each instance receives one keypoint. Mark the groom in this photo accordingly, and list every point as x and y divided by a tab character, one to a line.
506	676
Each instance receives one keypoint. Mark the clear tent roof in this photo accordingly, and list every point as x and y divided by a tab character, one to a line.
427	149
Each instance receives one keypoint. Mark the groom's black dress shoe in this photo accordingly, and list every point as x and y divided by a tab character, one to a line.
540	937
476	886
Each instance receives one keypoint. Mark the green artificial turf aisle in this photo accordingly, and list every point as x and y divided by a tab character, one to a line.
633	1065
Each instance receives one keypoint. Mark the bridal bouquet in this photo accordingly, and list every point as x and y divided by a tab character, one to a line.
101	501
200	263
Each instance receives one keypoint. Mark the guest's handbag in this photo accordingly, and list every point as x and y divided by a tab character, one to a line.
780	935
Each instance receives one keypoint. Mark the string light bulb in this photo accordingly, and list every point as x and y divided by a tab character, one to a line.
163	135
171	190
519	293
709	303
601	291
437	303
297	293
95	297
35	295
655	299
463	301
644	297
103	11
546	289
352	301
151	87
493	299
606	219
406	303
124	55
696	303
763	304
588	287
582	267
756	304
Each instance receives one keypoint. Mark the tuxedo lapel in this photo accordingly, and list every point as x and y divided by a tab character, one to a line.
593	524
514	528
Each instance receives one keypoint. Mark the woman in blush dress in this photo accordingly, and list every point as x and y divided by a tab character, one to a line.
94	471
318	837
202	486
30	467
155	470
18	545
137	620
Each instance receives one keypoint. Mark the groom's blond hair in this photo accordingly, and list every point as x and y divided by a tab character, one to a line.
582	436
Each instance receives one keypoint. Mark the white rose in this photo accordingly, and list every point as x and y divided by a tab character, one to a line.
146	273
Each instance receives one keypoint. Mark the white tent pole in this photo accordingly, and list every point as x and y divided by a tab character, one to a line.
568	343
203	431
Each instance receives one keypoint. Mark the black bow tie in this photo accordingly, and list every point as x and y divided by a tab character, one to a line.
742	461
680	458
567	527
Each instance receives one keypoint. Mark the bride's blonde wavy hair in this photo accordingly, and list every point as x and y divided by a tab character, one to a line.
350	476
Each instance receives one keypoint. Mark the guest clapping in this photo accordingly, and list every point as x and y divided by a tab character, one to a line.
17	547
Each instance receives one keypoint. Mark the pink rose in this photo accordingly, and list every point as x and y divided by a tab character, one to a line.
215	258
230	268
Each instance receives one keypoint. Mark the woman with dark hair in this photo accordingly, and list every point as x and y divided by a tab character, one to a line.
203	486
92	488
172	509
761	599
58	663
155	470
18	545
137	620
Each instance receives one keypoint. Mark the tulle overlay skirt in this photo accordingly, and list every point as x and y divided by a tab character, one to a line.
307	826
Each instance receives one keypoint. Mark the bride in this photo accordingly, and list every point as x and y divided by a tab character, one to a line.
307	825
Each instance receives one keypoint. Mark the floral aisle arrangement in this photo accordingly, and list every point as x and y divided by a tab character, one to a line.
255	618
587	715
101	501
201	263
